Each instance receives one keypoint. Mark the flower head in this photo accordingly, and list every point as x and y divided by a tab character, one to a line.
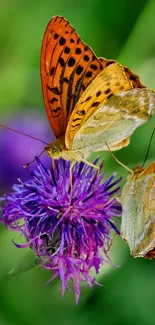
66	226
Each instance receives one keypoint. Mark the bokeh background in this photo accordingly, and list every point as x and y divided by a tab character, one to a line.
118	29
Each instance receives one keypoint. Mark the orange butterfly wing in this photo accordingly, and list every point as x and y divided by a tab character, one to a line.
67	67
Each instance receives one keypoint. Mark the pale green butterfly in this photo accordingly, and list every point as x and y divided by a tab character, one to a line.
138	210
138	214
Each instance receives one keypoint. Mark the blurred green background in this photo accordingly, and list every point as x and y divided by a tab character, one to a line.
118	29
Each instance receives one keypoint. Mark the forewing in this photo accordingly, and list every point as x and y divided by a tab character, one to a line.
67	67
115	120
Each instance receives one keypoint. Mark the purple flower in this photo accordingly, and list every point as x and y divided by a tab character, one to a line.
67	226
17	150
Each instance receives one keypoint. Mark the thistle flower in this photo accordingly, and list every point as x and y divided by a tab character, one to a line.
18	150
66	226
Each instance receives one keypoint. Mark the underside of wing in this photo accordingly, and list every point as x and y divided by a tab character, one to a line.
67	67
115	120
111	81
138	216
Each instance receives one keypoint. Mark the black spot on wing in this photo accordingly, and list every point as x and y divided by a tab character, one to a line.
54	90
65	79
89	74
110	95
86	58
107	91
67	50
93	67
56	35
53	100
52	71
76	119
78	50
61	61
71	61
95	104
79	69
98	93
62	41
81	113
56	112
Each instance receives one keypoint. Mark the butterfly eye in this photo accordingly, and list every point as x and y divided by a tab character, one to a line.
53	150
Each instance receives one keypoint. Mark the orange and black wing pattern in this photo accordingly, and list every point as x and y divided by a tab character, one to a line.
67	67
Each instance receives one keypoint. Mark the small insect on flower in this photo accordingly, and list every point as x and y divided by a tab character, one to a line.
66	226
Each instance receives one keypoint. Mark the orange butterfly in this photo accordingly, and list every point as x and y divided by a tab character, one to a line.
89	101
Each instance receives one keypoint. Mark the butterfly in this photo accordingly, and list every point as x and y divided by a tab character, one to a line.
138	212
89	100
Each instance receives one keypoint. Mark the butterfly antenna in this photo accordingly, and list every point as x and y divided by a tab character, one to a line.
117	160
26	165
27	135
148	149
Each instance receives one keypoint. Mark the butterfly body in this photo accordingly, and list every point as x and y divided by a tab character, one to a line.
138	216
89	101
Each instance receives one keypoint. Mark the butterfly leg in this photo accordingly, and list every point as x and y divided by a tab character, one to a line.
90	164
109	247
93	166
117	160
53	164
114	198
73	162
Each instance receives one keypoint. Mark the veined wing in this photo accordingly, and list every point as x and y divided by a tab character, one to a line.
138	216
67	67
115	120
112	80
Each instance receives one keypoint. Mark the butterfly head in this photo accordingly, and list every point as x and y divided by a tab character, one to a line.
54	150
